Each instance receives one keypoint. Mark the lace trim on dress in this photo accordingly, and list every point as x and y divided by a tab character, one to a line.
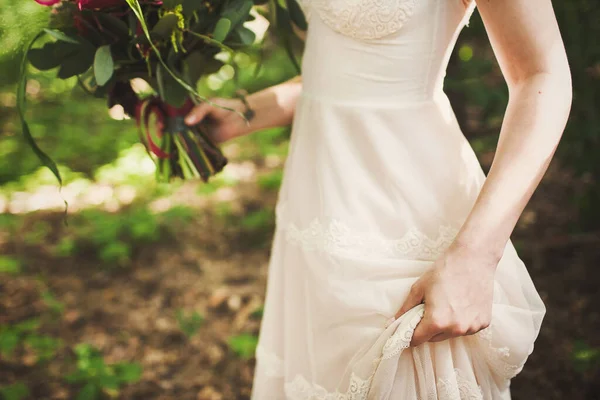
453	388
301	389
462	389
398	342
336	238
361	19
497	356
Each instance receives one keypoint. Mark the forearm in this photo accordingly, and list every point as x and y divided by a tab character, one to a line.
275	105
534	121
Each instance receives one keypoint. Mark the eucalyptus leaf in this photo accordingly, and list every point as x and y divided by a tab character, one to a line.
58	35
297	15
114	24
237	11
21	105
169	90
44	58
78	62
245	35
104	65
165	26
222	29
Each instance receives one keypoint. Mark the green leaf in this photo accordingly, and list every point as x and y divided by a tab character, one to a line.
169	90
78	62
21	104
89	392
222	29
245	36
16	391
165	26
128	372
297	15
44	58
58	35
104	65
113	24
237	11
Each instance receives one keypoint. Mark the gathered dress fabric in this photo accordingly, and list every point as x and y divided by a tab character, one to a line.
378	181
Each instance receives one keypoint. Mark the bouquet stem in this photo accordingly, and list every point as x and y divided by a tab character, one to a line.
184	151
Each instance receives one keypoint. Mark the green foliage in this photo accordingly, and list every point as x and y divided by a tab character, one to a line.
114	236
52	303
16	391
9	265
25	334
271	181
189	323
177	216
38	233
243	345
257	220
258	313
584	357
96	377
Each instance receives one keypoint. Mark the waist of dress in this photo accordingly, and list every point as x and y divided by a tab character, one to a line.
395	101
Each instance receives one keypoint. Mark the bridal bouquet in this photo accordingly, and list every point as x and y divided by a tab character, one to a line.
170	44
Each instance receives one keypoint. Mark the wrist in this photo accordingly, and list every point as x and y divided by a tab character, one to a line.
489	253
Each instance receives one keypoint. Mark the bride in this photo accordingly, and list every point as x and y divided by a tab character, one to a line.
392	275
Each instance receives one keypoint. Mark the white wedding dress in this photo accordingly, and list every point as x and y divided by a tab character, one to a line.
378	180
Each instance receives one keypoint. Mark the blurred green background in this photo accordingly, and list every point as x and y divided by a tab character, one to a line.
156	290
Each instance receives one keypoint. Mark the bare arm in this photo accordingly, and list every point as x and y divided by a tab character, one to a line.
458	289
526	40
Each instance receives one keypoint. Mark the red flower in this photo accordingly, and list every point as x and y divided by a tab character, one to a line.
98	4
47	2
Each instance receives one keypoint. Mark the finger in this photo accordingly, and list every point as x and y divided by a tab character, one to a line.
441	337
424	331
415	297
197	114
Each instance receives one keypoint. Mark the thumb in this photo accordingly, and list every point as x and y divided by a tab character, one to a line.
415	297
197	114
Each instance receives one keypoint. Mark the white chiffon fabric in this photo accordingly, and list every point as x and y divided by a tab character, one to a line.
378	181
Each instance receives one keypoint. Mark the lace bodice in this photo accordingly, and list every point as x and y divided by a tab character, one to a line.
361	19
366	19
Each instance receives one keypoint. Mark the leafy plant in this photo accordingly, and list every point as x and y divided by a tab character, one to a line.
271	181
16	391
243	345
97	377
585	357
52	303
9	265
189	324
24	334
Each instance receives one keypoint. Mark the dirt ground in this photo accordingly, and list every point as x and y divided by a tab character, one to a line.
219	270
